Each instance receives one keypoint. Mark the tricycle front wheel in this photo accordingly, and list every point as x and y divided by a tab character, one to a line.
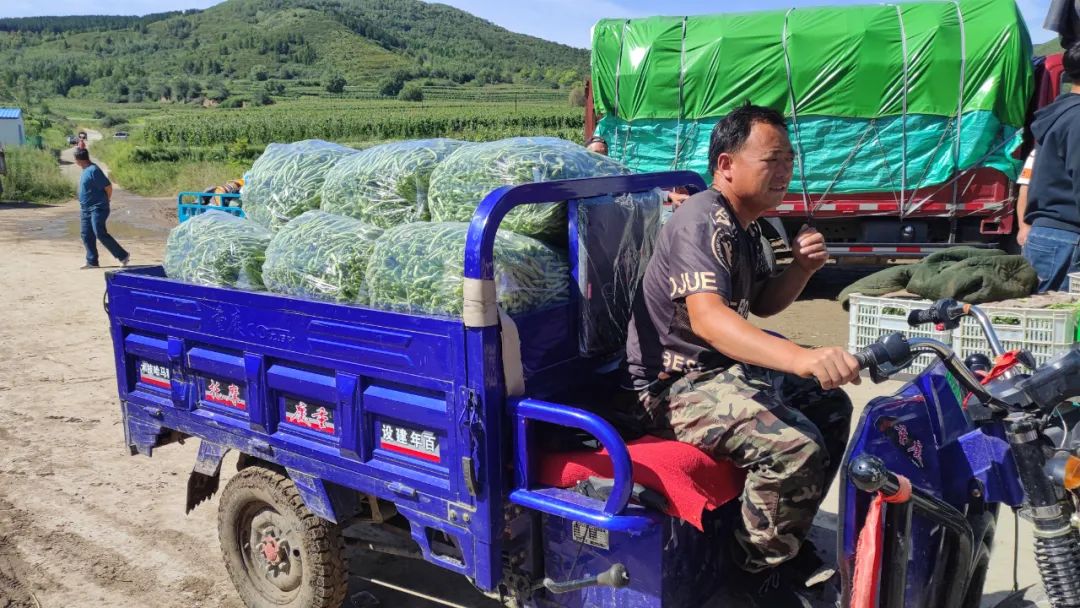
278	554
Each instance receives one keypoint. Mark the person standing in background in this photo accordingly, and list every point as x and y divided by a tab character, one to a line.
3	168
1024	181
598	145
95	194
1053	197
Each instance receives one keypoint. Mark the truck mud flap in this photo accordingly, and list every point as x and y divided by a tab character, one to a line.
205	477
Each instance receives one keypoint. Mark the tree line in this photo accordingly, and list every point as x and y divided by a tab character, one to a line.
102	56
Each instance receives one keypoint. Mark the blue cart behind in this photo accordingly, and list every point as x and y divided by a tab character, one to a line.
190	204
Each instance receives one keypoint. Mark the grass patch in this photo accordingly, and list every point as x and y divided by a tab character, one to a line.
34	176
162	178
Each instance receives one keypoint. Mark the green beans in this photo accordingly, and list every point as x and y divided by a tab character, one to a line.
386	185
219	249
419	268
320	256
287	180
461	182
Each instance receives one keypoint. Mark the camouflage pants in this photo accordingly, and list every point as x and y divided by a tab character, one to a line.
787	432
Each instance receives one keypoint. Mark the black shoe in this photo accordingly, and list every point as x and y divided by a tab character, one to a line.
769	589
807	569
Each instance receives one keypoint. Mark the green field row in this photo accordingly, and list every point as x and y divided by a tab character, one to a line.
344	120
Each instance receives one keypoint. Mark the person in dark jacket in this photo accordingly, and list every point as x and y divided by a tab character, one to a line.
1053	205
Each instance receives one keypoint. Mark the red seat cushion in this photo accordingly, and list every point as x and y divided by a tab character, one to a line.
690	479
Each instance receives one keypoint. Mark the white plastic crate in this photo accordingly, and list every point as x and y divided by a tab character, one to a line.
872	317
1044	332
1074	282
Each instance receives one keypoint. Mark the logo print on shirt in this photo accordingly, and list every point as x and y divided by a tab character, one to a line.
677	363
692	282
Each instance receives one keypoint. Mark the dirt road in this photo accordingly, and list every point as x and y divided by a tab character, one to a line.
85	525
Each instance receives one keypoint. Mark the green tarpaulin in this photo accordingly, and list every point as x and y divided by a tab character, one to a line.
878	98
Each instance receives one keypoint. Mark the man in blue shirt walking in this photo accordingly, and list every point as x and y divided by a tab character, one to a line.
95	192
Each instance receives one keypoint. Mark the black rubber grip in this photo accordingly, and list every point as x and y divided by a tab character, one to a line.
865	358
922	316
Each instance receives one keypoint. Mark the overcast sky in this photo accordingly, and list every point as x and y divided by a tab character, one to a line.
566	21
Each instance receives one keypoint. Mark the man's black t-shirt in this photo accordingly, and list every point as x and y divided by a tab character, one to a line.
702	249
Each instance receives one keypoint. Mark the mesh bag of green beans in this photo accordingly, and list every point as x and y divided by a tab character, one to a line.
387	185
460	182
320	256
219	249
287	180
419	268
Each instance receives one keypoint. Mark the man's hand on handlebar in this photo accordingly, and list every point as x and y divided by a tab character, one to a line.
832	366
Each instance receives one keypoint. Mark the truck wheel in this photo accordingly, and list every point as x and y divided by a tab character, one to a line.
278	554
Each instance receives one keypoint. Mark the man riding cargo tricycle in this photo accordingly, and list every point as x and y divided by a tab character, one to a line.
474	443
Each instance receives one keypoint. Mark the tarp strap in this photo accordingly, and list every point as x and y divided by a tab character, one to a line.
843	167
618	77
959	103
933	153
904	112
682	100
795	116
885	159
952	182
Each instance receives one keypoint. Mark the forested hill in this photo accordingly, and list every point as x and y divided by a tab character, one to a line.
360	41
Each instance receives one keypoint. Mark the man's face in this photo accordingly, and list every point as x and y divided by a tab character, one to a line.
760	172
597	146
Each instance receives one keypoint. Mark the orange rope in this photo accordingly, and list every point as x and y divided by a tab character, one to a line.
903	494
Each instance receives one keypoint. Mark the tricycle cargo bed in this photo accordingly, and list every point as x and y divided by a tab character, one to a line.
368	400
404	408
365	390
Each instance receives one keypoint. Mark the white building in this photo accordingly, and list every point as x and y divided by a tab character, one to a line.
12	132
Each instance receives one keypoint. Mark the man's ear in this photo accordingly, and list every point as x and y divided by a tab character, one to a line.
723	166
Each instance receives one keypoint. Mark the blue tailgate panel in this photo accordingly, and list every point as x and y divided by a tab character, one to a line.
366	399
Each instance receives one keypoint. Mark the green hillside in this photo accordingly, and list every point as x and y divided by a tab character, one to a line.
1048	48
301	43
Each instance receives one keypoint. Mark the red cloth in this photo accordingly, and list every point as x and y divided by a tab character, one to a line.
867	578
689	478
1002	364
1050	87
864	587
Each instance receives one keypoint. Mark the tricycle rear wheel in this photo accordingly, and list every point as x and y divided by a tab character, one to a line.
278	554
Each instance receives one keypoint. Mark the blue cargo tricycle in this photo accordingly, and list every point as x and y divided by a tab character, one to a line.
479	443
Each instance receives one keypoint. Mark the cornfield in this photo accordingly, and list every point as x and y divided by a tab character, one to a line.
365	121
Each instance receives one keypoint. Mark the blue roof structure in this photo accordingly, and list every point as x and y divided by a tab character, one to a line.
10	113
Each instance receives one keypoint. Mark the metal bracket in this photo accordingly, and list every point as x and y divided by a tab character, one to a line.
475	426
469	475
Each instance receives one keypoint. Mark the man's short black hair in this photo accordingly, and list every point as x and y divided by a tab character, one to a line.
1070	60
732	131
82	154
596	139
